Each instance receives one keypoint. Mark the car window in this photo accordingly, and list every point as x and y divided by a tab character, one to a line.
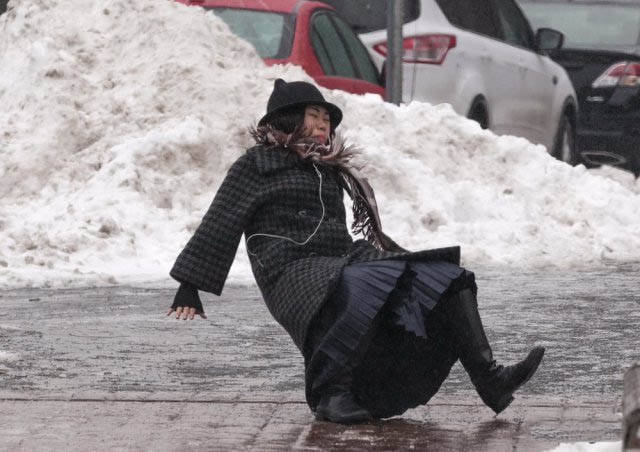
366	70
515	28
472	15
270	33
329	47
588	25
320	49
371	15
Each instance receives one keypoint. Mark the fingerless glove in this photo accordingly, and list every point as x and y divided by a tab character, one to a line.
187	295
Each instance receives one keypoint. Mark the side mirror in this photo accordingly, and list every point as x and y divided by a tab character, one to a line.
547	39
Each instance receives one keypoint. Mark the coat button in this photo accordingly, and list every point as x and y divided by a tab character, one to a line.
303	213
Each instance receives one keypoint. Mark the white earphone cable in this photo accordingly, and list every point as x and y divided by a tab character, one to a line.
274	236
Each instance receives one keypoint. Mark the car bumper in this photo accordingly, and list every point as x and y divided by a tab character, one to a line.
608	130
619	148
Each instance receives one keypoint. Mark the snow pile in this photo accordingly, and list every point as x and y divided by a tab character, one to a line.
118	126
8	357
604	446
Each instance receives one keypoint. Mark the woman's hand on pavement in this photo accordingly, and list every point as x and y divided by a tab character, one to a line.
186	313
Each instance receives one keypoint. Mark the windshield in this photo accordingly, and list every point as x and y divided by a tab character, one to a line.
270	33
587	25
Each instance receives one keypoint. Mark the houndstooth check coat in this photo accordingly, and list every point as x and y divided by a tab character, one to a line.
274	191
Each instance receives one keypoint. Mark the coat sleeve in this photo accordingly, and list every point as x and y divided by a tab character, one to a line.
206	259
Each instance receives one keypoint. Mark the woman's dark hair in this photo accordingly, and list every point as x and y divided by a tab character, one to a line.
291	119
288	120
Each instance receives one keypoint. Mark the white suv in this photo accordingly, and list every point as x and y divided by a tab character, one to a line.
481	57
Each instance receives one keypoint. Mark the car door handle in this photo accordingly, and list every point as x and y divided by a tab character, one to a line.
554	79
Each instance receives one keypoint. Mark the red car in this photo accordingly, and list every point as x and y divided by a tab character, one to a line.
305	33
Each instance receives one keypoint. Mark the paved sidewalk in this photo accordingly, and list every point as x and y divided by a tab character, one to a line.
241	425
103	369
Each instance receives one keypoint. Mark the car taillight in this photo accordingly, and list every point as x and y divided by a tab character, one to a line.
624	73
428	49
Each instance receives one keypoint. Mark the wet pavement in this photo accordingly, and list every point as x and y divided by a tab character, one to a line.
103	368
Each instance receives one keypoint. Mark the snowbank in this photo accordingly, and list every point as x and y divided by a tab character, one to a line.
118	126
605	446
8	357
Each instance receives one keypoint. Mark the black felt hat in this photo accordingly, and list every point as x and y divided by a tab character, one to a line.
286	95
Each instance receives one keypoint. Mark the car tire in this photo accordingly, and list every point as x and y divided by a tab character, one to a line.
564	147
478	113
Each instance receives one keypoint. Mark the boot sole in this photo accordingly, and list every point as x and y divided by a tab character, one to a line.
508	398
356	419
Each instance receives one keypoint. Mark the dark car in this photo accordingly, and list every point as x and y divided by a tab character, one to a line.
309	34
601	54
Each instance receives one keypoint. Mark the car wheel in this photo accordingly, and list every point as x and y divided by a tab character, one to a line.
478	113
564	145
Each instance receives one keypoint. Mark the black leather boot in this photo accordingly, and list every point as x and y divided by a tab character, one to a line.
494	383
338	404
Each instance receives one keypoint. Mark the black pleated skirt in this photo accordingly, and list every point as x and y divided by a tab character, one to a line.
385	327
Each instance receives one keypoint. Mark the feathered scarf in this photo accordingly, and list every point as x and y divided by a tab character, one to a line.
366	219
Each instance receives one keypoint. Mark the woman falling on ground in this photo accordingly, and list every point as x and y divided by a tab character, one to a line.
379	327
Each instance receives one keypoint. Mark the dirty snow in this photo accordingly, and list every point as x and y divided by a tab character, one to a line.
117	126
605	446
8	357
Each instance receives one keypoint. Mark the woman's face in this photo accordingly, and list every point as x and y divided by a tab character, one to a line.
317	123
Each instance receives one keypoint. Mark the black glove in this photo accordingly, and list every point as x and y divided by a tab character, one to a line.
187	296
